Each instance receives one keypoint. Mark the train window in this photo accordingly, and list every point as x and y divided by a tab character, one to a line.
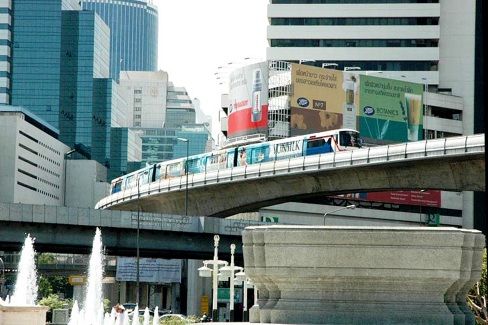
349	139
117	187
315	143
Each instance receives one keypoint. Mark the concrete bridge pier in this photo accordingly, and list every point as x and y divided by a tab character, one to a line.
362	275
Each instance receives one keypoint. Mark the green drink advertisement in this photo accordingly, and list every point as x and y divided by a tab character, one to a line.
390	109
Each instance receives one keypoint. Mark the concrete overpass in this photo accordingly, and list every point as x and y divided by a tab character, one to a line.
71	230
452	164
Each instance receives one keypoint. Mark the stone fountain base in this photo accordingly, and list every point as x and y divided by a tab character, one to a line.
362	275
23	315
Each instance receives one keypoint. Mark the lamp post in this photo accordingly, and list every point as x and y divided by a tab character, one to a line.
228	272
352	207
137	241
2	282
66	155
425	106
420	206
325	65
186	171
351	68
205	271
241	278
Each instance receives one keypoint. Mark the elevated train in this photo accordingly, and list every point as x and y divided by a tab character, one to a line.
304	145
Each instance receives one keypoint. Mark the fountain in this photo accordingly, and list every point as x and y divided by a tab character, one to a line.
92	312
362	275
21	308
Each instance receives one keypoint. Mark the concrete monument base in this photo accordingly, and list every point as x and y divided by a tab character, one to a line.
362	275
23	315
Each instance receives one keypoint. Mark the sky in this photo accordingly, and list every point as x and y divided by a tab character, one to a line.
197	37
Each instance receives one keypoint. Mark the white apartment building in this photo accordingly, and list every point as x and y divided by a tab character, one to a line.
35	166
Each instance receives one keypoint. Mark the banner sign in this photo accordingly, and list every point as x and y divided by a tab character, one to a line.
150	270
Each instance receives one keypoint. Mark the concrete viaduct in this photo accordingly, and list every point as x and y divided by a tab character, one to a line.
456	164
451	164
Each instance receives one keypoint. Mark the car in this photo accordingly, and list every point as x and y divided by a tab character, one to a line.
130	307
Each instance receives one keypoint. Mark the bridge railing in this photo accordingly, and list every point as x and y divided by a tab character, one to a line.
462	145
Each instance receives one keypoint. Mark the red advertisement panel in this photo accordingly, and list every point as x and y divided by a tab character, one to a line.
248	100
426	198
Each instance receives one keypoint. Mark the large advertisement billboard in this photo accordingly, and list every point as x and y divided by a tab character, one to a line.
379	108
390	109
318	100
248	100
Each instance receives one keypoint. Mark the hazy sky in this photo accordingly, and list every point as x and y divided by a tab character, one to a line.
197	37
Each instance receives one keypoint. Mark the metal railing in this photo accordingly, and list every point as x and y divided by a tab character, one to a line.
58	261
462	145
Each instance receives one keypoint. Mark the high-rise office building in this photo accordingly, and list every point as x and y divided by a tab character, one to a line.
145	93
60	72
134	33
179	107
5	50
429	42
437	43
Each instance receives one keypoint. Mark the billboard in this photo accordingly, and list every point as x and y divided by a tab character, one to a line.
150	270
430	198
248	100
379	108
318	100
390	109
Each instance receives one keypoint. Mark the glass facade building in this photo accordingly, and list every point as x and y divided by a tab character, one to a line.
5	51
134	33
125	152
179	107
60	72
162	144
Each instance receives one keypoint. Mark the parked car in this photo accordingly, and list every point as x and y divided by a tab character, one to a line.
130	307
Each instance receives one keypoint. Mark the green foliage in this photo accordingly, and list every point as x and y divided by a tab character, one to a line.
177	321
107	305
54	302
45	288
477	296
172	321
193	319
46	258
484	280
51	284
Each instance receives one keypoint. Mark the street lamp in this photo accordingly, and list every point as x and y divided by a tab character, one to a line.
351	68
2	282
137	240
66	155
425	106
206	272
304	61
352	207
186	171
420	205
241	278
228	272
325	65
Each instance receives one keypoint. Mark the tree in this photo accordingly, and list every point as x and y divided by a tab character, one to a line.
477	296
